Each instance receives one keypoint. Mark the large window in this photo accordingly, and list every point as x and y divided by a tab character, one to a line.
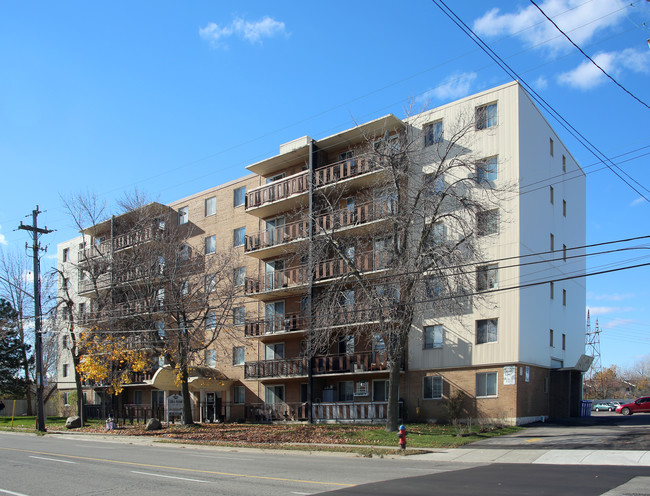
239	276
486	384
432	387
239	196
210	244
486	331
239	235
487	277
210	206
183	215
211	358
486	116
238	355
487	170
238	395
433	337
239	315
487	222
433	133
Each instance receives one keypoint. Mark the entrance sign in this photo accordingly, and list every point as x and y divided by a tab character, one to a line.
174	405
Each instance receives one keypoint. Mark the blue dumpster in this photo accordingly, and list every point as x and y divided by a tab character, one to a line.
585	408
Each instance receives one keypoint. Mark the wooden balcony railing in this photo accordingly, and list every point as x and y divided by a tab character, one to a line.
120	242
346	217
366	361
277	323
272	412
278	190
345	169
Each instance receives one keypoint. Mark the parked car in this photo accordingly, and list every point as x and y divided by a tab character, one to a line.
601	406
641	405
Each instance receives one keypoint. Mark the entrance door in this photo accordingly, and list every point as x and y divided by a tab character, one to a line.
210	407
274	394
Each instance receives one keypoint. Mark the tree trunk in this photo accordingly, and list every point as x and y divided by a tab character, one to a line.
187	400
392	412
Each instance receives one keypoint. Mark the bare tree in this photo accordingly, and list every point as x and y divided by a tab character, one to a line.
434	202
15	289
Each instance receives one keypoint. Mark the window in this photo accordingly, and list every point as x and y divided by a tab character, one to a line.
238	355
82	309
551	194
552	239
432	387
65	370
432	337
64	283
486	331
66	399
433	133
211	358
277	177
274	351
563	163
550	144
239	235
564	341
160	328
210	206
64	342
184	252
564	297
552	289
137	396
486	116
184	288
183	215
239	196
239	315
564	208
486	277
564	252
346	391
550	338
210	283
486	170
211	321
66	254
238	395
433	287
239	276
433	185
380	390
437	234
486	384
487	222
210	244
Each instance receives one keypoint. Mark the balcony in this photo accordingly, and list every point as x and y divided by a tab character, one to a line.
282	195
288	322
271	242
358	412
349	363
347	169
292	280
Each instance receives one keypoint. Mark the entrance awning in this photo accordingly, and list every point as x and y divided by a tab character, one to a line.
200	378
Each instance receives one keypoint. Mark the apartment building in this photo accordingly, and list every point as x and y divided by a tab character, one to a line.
514	355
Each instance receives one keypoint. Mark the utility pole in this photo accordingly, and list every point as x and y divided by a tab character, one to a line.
38	342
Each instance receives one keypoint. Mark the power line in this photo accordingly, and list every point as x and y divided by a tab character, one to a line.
539	99
590	59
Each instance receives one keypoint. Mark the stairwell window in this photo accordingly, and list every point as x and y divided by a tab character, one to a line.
487	222
238	355
564	297
550	337
211	358
551	194
550	144
183	215
239	276
433	133
486	331
486	384
487	170
210	244
432	387
486	116
433	337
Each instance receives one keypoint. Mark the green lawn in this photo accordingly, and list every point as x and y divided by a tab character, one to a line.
27	423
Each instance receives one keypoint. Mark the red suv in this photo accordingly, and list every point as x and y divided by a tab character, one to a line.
642	405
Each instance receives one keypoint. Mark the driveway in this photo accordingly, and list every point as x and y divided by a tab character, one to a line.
601	431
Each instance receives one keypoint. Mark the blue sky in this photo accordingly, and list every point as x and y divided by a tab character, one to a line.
174	98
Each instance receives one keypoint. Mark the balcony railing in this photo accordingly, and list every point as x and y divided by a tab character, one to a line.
346	217
278	190
366	361
277	323
120	242
328	269
364	412
299	183
345	169
277	236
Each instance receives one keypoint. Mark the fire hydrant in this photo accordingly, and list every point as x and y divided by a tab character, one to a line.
402	436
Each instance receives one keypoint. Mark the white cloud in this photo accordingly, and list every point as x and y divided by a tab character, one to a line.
453	87
541	83
587	75
579	19
3	240
612	297
596	311
640	200
28	276
253	32
618	323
